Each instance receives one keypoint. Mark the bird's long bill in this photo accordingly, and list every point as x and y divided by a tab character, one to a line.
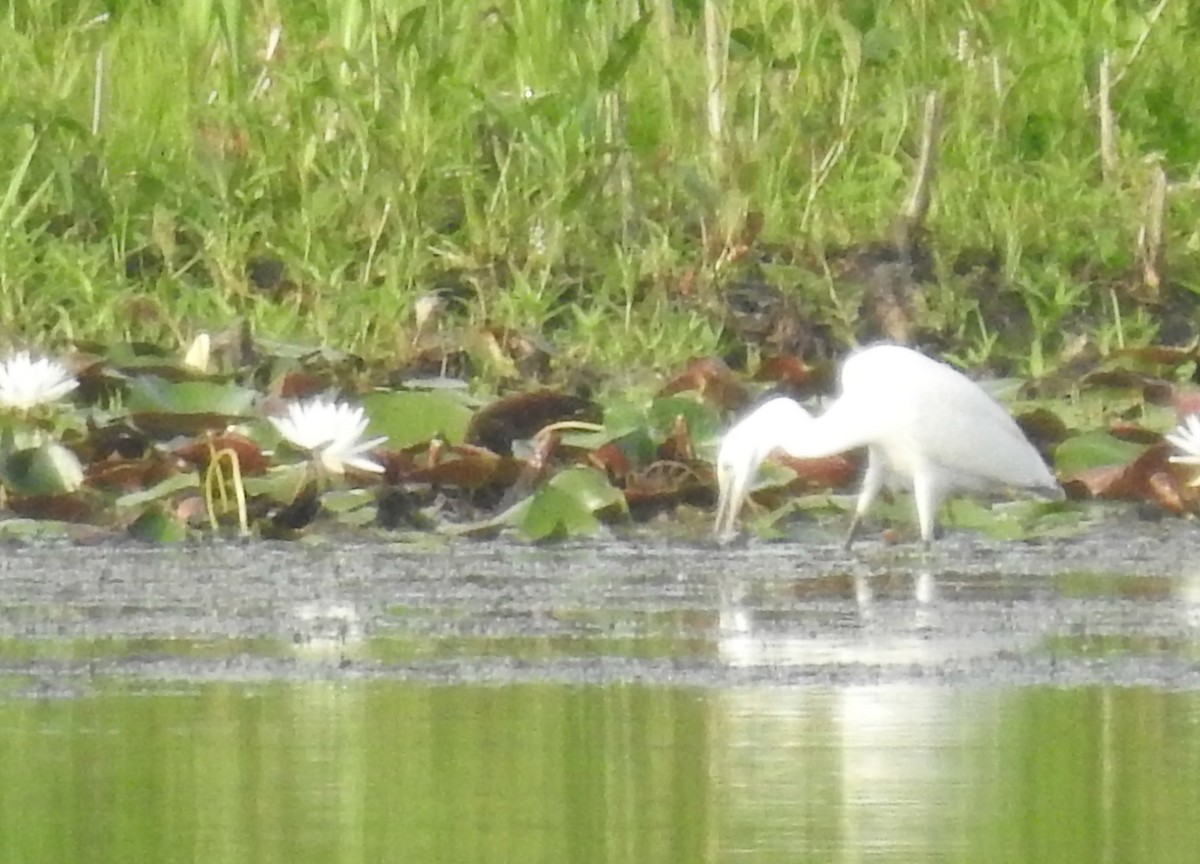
731	494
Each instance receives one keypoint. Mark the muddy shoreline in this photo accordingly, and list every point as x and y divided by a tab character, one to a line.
1119	605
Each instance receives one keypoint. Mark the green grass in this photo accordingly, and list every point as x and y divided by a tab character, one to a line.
551	162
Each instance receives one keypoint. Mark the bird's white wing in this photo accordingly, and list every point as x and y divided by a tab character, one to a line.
933	412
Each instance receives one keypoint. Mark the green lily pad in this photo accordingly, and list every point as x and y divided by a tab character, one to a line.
33	529
167	408
156	525
702	421
47	469
152	394
553	514
352	507
1093	450
281	485
410	417
589	487
567	506
159	491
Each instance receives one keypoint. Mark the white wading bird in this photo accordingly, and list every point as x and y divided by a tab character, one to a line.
925	425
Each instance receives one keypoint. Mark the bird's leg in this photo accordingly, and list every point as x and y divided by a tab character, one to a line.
872	483
927	496
854	520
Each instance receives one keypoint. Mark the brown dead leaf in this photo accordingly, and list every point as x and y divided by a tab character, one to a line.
1042	426
1149	477
712	379
678	445
1163	355
466	467
665	485
799	376
1135	433
830	472
610	459
251	460
63	508
117	474
301	383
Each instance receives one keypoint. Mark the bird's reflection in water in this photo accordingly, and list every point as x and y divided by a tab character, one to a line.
889	623
863	753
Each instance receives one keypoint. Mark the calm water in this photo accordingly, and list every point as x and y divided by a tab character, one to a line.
495	704
396	771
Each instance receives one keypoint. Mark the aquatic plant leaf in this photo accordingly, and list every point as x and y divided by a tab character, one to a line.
702	420
298	515
198	453
63	508
159	491
411	417
554	513
589	487
1149	477
830	472
1093	450
48	469
788	369
1011	520
151	394
32	529
353	507
678	446
281	485
464	466
157	525
127	475
662	486
522	415
164	409
610	459
713	380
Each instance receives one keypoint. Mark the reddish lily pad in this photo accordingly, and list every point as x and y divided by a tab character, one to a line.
713	380
251	459
522	415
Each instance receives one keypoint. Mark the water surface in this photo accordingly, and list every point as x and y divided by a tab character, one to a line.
251	704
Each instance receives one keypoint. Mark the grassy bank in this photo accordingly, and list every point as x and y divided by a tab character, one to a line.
601	175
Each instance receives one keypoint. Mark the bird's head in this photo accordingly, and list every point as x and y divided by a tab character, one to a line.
743	448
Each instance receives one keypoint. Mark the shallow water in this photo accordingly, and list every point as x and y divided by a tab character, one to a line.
262	703
336	771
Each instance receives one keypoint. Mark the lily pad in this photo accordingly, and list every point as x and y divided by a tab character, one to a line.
552	514
165	409
409	417
568	505
160	491
702	421
47	469
1092	450
156	525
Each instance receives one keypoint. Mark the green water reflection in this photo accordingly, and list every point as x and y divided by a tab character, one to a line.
393	771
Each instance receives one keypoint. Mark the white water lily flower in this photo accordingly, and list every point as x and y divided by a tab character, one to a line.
1186	438
331	431
25	382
